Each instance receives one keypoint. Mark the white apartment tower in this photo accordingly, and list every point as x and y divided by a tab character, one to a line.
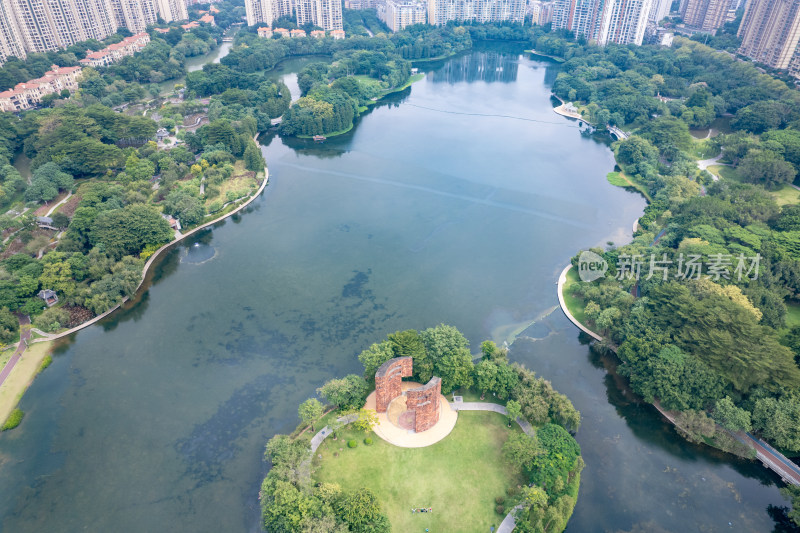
604	21
627	22
442	11
135	15
260	11
397	14
327	14
660	10
10	36
43	25
171	10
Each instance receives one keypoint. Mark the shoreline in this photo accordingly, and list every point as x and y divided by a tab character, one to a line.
789	476
414	78
26	369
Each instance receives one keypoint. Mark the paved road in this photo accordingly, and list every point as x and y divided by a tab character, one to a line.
493	407
773	459
24	320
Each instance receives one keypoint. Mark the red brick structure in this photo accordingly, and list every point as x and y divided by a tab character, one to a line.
424	402
388	381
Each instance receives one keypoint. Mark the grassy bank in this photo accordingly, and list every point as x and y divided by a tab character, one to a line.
459	477
575	305
619	179
21	377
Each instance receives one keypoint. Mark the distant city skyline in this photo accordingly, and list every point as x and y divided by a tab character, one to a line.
28	26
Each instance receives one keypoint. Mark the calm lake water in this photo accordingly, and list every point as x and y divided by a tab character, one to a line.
435	208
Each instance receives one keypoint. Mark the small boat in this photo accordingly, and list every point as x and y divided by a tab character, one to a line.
319	138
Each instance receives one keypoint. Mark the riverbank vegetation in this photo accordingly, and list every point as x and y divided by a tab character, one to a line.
713	345
539	473
100	196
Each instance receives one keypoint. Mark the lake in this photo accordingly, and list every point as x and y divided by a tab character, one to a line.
456	201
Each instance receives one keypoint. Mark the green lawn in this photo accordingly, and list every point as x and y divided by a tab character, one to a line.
792	315
702	149
725	172
459	477
619	179
574	304
786	195
783	196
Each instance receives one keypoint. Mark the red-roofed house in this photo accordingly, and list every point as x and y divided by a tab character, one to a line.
115	52
28	94
317	34
298	33
337	34
265	33
208	19
283	32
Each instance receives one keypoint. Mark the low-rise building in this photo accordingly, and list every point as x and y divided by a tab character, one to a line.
337	34
115	52
317	34
29	94
298	33
265	33
282	32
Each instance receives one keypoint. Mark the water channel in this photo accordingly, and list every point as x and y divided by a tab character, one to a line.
457	201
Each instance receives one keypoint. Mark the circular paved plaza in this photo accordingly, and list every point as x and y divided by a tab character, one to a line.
396	425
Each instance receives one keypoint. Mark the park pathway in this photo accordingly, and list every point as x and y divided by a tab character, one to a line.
323	433
493	407
25	334
769	456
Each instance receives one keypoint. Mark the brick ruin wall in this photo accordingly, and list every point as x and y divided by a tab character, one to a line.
389	379
424	401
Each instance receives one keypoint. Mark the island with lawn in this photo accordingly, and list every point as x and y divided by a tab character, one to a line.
391	452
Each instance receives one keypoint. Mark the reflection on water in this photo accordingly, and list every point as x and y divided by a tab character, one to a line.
157	419
478	66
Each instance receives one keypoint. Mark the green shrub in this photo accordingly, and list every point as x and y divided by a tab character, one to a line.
52	319
368	441
47	361
499	500
511	491
352	443
500	509
215	206
13	420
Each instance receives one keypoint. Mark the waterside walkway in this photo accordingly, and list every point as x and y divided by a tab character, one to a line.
769	456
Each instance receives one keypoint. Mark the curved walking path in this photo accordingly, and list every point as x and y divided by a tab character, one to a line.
562	280
769	456
62	202
325	432
25	334
153	258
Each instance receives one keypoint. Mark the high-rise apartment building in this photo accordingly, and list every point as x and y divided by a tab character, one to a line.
442	11
171	10
626	23
397	14
10	36
660	10
604	21
326	14
135	15
541	12
770	31
705	15
49	24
